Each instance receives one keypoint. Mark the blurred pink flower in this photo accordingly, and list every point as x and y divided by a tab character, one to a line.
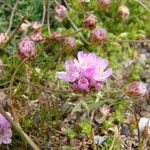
90	21
137	88
56	36
36	25
5	130
3	38
87	72
37	36
69	41
60	10
27	48
104	3
98	35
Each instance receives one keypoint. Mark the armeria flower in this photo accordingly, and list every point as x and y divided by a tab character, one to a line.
60	10
37	36
104	3
56	36
3	38
5	130
98	35
87	72
36	25
69	41
137	88
90	21
27	48
124	12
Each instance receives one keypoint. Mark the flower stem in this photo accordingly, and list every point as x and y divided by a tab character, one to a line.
18	128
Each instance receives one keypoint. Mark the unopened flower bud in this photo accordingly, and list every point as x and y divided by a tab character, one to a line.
69	41
37	36
104	3
56	36
124	12
26	48
3	38
136	88
90	21
98	35
36	25
60	10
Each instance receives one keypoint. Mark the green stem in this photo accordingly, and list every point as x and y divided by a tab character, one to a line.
18	128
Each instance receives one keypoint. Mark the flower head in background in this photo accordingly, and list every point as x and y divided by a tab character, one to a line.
87	72
60	11
36	36
98	35
69	41
90	21
26	48
3	38
56	36
36	25
5	130
104	3
124	12
136	88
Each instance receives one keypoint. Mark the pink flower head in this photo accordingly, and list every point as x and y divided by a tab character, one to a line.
27	48
87	72
98	35
36	25
56	36
137	88
69	41
90	21
60	10
124	12
5	130
37	36
3	38
104	3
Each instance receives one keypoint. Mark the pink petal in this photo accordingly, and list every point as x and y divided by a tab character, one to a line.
6	140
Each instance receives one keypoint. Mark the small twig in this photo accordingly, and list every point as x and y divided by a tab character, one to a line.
44	12
129	41
138	1
12	16
18	128
48	17
14	32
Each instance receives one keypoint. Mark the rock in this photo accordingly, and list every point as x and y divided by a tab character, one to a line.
4	99
99	139
125	130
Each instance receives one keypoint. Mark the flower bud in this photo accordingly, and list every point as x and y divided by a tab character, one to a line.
90	21
124	12
37	36
60	10
36	25
98	35
69	41
3	38
136	88
26	48
103	3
